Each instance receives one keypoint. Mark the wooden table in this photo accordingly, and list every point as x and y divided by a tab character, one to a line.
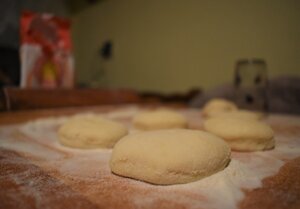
13	117
37	172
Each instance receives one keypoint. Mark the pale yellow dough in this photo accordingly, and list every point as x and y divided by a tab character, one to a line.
217	106
241	134
241	114
159	119
91	132
171	156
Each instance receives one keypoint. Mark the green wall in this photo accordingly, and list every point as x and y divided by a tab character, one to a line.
173	45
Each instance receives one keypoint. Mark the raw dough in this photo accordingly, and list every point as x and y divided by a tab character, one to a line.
171	156
159	119
241	114
242	135
91	132
217	106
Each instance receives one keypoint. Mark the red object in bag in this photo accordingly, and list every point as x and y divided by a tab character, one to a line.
46	51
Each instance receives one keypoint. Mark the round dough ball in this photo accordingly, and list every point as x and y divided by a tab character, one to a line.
159	119
91	132
217	106
241	114
170	156
242	135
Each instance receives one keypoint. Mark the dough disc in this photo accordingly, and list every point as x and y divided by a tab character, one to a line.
169	156
91	132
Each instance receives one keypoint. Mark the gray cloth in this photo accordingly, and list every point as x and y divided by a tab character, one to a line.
283	95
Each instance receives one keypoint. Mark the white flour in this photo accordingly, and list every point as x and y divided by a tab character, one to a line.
38	139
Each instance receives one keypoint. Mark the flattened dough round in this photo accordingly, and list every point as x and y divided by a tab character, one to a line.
91	132
170	156
242	135
241	114
159	119
217	106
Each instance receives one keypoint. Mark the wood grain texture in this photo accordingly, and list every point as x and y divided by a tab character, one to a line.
37	172
24	99
25	185
279	191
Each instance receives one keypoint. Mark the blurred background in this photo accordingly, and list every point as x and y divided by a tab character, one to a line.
164	46
173	45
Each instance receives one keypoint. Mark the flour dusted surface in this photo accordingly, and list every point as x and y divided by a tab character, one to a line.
86	172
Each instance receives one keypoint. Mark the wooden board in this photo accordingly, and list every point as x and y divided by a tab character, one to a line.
37	172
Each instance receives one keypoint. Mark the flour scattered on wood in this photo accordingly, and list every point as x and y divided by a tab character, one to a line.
87	172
